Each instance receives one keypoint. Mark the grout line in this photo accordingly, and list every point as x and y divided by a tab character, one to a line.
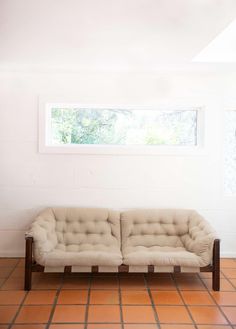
20	305
120	301
152	301
179	292
18	311
8	277
88	302
58	290
218	306
228	279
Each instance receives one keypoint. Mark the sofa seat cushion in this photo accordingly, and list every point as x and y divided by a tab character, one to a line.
99	255
160	256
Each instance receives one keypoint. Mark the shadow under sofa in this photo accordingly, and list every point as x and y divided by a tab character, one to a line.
103	240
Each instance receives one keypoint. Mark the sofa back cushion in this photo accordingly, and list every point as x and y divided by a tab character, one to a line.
82	228
154	227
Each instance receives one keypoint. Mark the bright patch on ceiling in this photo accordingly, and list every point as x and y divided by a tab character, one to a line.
222	49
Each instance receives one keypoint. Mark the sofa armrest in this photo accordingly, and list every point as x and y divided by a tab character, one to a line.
43	232
200	238
199	245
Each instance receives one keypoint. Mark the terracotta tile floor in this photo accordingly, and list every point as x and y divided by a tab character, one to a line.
111	301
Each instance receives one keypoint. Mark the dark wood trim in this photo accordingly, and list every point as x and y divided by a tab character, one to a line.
216	266
150	268
208	268
123	268
177	269
67	269
94	269
28	262
37	268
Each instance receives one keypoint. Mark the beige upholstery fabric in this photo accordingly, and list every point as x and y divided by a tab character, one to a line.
166	237
88	237
77	236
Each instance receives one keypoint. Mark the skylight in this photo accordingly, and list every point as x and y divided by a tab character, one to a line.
222	49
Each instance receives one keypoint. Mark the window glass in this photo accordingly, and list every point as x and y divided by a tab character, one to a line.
91	126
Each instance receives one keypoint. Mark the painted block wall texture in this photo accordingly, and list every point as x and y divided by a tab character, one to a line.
30	181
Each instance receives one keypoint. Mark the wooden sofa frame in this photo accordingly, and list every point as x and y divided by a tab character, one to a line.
32	266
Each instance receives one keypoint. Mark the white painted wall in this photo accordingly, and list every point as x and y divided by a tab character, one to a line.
30	181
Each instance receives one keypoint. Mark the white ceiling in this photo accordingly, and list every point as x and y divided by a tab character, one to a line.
108	34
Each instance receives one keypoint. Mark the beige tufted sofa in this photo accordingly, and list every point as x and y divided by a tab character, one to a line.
103	240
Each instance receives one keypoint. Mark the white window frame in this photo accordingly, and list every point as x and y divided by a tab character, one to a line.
44	133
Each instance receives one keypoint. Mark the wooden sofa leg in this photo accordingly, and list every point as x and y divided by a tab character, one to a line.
216	266
28	262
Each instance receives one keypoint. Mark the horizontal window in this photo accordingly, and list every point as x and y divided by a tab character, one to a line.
70	125
122	127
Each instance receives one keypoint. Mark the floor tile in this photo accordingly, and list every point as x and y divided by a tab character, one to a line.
197	298
47	282
104	326
138	314
136	283
226	298
230	273
233	282
213	327
66	326
7	313
178	326
135	297
104	297
9	262
69	313
205	275
11	297
18	272
73	297
5	272
34	314
227	263
75	283
166	297
173	314
40	297
141	326
36	276
28	326
207	315
104	283
21	262
13	284
104	313
161	283
230	313
1	281
225	285
194	283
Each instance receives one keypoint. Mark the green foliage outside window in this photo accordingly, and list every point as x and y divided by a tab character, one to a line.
123	127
